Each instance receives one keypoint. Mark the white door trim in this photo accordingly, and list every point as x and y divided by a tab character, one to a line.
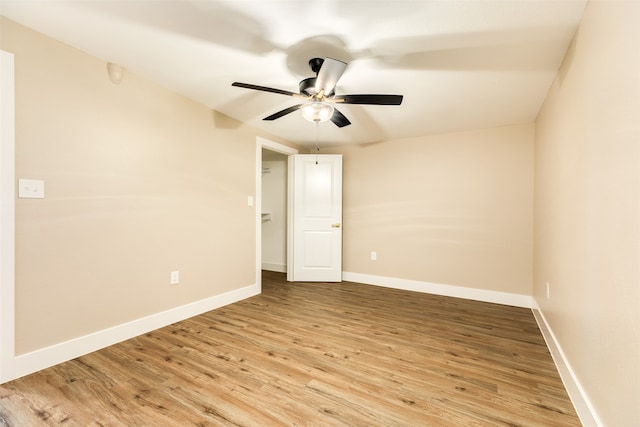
279	148
7	217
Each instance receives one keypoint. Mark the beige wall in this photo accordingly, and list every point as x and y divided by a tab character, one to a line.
139	182
454	209
587	209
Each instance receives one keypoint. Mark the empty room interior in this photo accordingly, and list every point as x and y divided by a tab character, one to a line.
320	213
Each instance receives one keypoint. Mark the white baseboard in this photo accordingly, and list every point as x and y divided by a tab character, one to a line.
269	266
40	359
505	298
585	410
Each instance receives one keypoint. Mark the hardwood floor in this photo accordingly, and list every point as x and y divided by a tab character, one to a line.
316	354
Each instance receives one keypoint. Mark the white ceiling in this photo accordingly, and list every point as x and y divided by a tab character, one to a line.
460	65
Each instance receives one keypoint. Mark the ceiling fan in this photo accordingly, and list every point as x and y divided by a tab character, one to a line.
319	94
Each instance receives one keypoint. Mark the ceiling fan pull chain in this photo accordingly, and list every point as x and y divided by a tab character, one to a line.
317	139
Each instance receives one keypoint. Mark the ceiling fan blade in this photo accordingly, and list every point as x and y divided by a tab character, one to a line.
265	89
339	119
368	99
283	112
329	74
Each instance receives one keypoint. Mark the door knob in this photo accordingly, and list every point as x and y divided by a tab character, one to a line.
336	225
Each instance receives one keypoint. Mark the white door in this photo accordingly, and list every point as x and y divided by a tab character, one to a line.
315	187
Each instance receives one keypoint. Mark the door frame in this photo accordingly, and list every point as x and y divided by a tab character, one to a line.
7	217
279	148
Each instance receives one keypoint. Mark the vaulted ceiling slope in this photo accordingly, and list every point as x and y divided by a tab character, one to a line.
459	64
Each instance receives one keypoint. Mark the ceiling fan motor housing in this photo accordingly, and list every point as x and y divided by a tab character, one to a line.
308	86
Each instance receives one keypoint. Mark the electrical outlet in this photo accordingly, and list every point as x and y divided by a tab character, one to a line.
374	256
175	277
548	291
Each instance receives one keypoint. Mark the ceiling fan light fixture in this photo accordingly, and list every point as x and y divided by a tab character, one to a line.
317	111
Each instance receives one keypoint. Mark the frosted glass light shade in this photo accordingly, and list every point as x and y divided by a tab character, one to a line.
317	112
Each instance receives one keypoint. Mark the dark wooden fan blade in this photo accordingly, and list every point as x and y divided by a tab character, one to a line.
369	99
329	74
339	119
264	89
283	112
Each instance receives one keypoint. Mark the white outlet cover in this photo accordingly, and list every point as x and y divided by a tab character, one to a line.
548	291
175	277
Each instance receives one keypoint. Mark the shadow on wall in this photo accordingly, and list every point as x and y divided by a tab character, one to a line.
222	121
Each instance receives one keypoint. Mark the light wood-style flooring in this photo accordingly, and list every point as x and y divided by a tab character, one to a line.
311	354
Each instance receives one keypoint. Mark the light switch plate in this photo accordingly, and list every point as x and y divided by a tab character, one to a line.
31	189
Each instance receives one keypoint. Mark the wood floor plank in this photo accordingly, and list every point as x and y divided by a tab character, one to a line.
311	354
